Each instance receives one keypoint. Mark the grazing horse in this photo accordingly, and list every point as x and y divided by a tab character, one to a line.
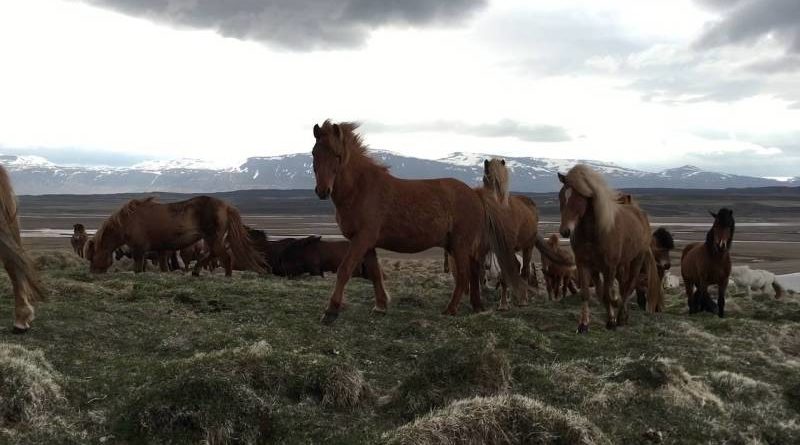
609	240
78	239
558	278
755	279
165	260
524	220
661	245
315	256
16	262
375	209
707	263
145	225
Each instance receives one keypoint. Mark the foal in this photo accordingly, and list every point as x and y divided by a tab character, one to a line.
661	246
707	263
78	239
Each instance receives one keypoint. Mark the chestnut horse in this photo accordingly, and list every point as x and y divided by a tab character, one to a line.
19	267
707	263
609	240
146	225
661	245
558	278
78	239
375	209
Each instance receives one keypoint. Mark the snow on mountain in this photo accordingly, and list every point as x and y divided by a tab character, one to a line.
36	175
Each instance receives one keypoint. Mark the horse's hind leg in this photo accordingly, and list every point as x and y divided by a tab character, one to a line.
374	273
23	310
138	261
462	265
475	285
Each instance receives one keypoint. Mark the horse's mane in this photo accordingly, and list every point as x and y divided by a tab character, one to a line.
117	219
495	178
664	238
351	146
591	184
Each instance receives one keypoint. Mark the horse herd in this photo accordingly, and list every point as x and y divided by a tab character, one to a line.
610	237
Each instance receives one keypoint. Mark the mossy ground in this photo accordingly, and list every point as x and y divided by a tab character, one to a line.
168	358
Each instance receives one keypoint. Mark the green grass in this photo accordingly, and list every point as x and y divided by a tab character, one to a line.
168	358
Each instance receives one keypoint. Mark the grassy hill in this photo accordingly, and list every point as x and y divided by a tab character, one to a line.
167	358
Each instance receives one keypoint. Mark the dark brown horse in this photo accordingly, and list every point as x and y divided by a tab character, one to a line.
165	260
375	209
315	256
558	277
16	262
609	240
146	225
707	263
78	239
661	245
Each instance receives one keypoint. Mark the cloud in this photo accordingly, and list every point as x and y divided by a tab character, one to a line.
503	128
298	24
747	21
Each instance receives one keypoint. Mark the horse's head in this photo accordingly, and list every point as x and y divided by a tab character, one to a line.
78	228
662	243
573	206
495	178
330	156
720	237
104	243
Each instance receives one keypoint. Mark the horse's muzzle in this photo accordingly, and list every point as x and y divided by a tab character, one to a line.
323	193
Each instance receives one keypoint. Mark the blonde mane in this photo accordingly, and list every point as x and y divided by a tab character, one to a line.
350	146
591	184
117	219
495	178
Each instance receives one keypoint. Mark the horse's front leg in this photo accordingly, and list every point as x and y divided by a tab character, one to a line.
23	310
138	261
359	246
584	280
372	270
722	288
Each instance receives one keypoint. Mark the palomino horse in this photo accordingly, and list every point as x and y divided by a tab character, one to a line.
661	245
146	225
375	209
78	239
704	264
18	265
558	278
607	238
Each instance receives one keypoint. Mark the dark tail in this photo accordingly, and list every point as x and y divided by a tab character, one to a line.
497	232
242	246
654	286
778	289
553	257
11	251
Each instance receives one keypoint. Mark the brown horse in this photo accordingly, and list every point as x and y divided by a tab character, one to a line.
315	256
558	278
707	263
523	216
608	239
19	267
376	209
661	245
78	239
165	260
145	225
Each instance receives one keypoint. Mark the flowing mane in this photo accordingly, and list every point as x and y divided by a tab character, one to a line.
591	184
117	219
495	178
351	146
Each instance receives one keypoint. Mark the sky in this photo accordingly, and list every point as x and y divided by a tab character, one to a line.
650	85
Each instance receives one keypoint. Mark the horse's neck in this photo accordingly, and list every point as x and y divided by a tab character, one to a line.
347	186
587	227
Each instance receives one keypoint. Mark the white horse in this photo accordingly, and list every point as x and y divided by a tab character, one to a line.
758	280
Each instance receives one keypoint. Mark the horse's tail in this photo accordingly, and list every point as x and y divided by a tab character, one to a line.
11	251
496	229
655	301
777	288
552	256
242	246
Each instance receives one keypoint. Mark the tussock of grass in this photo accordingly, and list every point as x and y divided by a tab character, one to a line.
30	389
57	260
668	378
501	419
738	387
451	372
229	394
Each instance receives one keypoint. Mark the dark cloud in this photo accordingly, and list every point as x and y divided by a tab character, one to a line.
503	128
298	24
746	21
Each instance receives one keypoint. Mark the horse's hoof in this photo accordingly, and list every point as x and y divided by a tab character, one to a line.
19	331
329	317
378	310
502	308
583	328
450	311
610	325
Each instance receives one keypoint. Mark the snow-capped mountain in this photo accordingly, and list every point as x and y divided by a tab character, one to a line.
35	175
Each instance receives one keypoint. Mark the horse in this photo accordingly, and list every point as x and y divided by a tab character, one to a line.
709	262
524	218
609	240
377	210
19	267
165	260
661	245
755	279
78	239
315	256
193	252
558	278
145	224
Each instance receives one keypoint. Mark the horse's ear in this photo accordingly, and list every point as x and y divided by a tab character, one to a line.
713	215
485	165
317	131
503	162
337	132
562	178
